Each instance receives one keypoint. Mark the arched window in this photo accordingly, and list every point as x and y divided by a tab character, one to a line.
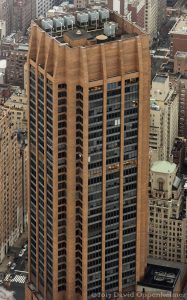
160	184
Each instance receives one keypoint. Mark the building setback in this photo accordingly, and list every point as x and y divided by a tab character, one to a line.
88	159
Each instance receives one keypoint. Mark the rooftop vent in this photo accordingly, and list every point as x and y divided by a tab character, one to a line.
78	32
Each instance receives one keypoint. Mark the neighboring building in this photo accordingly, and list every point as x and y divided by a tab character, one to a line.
151	18
2	29
97	2
11	222
80	3
182	92
23	12
178	152
137	9
6	14
167	217
18	105
180	81
118	6
15	65
163	118
88	141
8	43
86	3
161	13
163	280
42	6
3	66
180	63
5	92
171	2
178	36
13	49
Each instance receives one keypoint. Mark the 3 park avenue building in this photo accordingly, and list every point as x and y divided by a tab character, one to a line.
88	90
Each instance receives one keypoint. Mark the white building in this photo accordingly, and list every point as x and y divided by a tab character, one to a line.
167	218
151	17
3	66
163	118
42	6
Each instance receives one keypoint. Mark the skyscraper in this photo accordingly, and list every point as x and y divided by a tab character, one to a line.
89	121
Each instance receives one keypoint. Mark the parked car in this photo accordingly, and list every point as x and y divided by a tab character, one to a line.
9	264
25	247
21	253
13	266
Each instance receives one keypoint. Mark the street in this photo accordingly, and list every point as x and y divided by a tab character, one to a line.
15	279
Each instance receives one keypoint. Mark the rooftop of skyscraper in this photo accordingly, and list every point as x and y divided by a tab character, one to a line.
88	27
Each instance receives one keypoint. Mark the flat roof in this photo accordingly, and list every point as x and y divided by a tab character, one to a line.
160	277
180	26
181	54
160	78
163	167
3	63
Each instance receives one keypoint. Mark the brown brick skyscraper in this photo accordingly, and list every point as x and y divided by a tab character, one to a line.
89	120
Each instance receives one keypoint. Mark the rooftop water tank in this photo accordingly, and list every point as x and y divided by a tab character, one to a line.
47	24
110	29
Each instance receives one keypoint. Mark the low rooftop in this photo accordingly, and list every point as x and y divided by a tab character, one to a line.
160	78
180	26
160	277
165	167
181	54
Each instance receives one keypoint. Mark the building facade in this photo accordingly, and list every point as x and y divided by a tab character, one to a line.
151	18
6	13
118	6
10	184
23	12
42	6
88	198
180	63
178	36
18	106
164	109
15	65
178	153
167	219
162	5
137	9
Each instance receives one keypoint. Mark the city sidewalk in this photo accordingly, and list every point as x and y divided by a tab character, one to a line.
13	251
